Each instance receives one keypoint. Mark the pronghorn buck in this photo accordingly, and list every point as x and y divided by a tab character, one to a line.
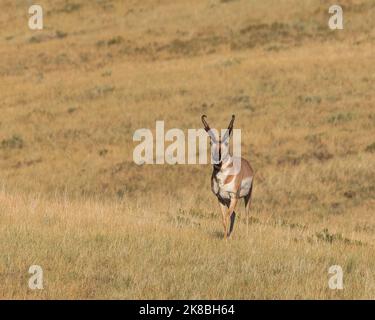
232	177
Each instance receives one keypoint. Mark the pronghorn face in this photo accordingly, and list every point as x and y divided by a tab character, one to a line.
219	144
219	149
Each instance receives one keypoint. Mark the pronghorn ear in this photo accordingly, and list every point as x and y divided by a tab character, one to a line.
227	135
211	134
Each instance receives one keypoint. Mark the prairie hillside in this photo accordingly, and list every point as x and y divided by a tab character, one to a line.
73	201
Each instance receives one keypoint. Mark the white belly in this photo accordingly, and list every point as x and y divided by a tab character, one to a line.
245	187
227	191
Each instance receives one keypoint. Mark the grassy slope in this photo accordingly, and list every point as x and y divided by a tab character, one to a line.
72	95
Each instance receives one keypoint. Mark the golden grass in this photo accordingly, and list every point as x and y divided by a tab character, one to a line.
91	249
74	202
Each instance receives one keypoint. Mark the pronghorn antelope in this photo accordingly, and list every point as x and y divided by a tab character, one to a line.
232	178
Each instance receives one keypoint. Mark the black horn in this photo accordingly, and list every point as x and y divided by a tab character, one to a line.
206	126
230	129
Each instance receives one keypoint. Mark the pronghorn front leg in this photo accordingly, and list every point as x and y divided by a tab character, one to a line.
228	217
223	209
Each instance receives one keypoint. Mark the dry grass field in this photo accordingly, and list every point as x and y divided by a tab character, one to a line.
73	201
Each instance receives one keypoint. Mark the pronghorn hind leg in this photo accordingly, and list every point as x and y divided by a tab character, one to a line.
232	219
247	208
247	213
231	215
